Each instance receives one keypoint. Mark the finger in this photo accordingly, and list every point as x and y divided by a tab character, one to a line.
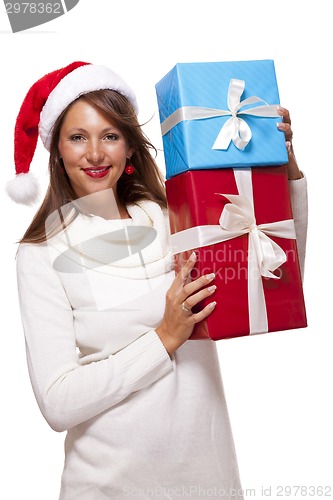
184	273
194	286
288	133
194	299
285	114
289	147
286	128
206	311
186	308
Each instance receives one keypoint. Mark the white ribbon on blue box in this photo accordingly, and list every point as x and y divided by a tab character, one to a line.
220	115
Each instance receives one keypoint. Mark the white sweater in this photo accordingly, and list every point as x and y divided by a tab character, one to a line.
138	423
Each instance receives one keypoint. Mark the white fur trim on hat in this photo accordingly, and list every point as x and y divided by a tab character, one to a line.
80	81
24	189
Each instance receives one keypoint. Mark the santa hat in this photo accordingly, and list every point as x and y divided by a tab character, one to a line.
43	104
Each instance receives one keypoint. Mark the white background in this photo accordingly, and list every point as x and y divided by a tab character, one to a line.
278	386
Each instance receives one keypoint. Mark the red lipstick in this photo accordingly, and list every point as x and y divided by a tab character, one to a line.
96	172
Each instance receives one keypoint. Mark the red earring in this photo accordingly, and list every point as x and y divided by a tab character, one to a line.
129	169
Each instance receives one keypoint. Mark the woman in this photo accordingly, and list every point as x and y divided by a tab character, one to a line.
144	410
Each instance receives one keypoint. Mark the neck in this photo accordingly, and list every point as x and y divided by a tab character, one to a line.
105	204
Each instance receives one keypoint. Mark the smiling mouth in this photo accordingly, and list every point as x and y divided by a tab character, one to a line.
96	172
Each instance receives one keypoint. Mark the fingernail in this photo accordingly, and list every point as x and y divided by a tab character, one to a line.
280	108
281	125
193	257
212	305
210	276
211	288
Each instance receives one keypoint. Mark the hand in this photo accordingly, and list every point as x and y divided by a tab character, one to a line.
292	167
178	320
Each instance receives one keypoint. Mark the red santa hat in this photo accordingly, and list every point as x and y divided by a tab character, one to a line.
43	104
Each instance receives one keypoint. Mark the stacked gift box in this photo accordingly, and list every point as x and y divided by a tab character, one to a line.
228	194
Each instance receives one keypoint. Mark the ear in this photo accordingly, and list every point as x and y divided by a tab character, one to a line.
130	153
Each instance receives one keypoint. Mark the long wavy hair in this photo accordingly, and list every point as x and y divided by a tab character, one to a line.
146	183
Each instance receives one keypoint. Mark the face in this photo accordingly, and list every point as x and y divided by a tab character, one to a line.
93	149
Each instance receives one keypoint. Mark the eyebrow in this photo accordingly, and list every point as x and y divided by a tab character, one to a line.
83	130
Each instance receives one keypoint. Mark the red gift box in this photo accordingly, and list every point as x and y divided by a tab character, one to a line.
259	245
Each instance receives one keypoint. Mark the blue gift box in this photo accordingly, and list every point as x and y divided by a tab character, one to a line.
203	125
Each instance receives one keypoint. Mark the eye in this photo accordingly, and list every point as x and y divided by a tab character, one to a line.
111	137
76	138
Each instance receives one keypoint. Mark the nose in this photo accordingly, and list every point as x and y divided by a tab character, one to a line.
95	152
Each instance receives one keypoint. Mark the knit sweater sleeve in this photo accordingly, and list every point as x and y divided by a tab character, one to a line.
67	392
299	204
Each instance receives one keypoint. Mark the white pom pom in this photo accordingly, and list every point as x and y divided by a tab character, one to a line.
23	189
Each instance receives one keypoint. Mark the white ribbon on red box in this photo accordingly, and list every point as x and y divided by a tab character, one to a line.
264	254
235	129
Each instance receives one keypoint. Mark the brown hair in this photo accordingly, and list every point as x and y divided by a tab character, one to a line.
146	183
